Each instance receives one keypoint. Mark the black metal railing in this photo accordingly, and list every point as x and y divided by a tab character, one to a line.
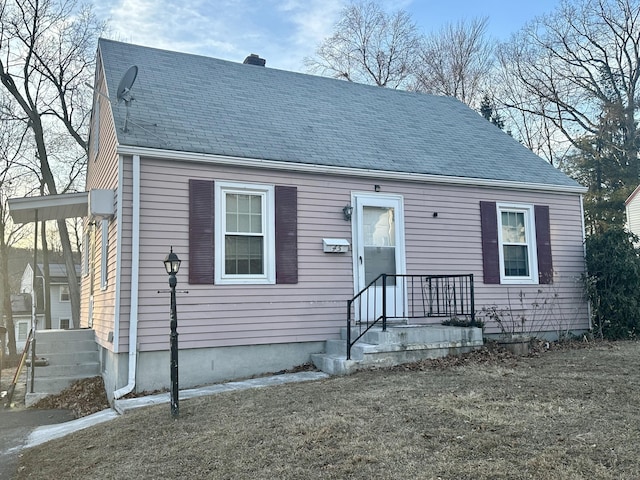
413	297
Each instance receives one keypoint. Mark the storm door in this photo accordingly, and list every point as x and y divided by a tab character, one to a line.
379	248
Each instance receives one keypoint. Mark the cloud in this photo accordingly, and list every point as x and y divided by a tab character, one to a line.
283	32
310	22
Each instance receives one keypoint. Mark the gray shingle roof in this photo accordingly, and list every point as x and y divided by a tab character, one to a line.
204	105
57	272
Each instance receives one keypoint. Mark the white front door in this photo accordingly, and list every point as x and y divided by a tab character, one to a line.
378	248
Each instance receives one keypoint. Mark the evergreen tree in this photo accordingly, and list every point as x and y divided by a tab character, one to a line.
602	165
488	110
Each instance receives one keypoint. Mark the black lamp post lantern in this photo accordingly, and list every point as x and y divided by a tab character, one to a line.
172	265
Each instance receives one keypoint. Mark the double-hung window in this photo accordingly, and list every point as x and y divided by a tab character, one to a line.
23	331
245	233
517	244
64	293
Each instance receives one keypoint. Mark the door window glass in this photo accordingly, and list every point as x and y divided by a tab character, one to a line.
379	243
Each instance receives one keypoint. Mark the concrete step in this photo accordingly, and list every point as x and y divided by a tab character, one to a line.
72	355
64	341
338	348
87	369
65	335
399	344
52	385
65	346
334	364
405	334
335	347
71	358
44	349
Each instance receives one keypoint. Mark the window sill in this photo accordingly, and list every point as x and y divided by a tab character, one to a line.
244	281
518	281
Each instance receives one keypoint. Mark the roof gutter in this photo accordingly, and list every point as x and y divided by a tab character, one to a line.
343	171
135	267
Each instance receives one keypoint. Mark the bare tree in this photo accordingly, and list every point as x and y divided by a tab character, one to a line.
457	61
12	136
46	54
369	46
536	132
574	66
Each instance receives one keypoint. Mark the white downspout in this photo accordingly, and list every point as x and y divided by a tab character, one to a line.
135	260
118	283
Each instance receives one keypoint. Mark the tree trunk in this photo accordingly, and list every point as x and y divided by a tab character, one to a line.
5	294
46	272
72	277
49	181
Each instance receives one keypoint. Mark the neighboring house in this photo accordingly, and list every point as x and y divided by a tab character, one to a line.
22	316
59	291
246	172
632	209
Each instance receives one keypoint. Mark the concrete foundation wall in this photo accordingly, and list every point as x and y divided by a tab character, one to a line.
205	365
114	368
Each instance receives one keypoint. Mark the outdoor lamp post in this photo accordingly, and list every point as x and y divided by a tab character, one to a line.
172	265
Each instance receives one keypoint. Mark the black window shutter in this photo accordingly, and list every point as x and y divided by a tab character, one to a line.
489	229
286	201
543	244
201	241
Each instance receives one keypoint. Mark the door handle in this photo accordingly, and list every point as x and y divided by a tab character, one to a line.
360	259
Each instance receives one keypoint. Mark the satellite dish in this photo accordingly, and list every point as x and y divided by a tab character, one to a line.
124	87
124	91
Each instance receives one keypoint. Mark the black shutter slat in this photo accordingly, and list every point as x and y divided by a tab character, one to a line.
201	240
543	244
286	203
490	254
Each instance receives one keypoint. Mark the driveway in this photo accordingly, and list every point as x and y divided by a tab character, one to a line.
15	427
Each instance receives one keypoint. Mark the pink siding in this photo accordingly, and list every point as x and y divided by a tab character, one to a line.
125	223
102	172
313	309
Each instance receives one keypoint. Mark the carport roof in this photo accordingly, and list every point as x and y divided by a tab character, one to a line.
49	207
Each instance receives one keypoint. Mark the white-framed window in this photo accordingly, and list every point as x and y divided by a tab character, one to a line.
64	293
517	244
85	254
23	331
64	323
245	233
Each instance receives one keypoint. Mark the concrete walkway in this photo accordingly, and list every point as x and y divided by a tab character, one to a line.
121	407
31	427
15	427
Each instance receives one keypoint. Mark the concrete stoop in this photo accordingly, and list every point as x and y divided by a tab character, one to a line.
71	355
399	344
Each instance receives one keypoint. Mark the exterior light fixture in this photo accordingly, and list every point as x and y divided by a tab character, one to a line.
347	211
172	265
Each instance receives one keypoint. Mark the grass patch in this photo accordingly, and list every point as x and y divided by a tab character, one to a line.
568	414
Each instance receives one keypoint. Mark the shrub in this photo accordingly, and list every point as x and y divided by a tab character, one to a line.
612	283
463	322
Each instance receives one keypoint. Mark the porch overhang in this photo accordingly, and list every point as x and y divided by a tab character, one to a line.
49	207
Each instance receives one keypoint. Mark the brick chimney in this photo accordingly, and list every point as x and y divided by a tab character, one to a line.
254	59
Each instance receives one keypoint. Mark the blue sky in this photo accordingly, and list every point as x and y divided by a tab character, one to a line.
285	31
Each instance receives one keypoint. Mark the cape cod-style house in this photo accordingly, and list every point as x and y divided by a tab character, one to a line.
285	195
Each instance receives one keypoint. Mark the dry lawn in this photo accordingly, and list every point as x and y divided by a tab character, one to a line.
565	414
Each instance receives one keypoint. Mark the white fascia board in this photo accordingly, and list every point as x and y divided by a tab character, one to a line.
343	171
